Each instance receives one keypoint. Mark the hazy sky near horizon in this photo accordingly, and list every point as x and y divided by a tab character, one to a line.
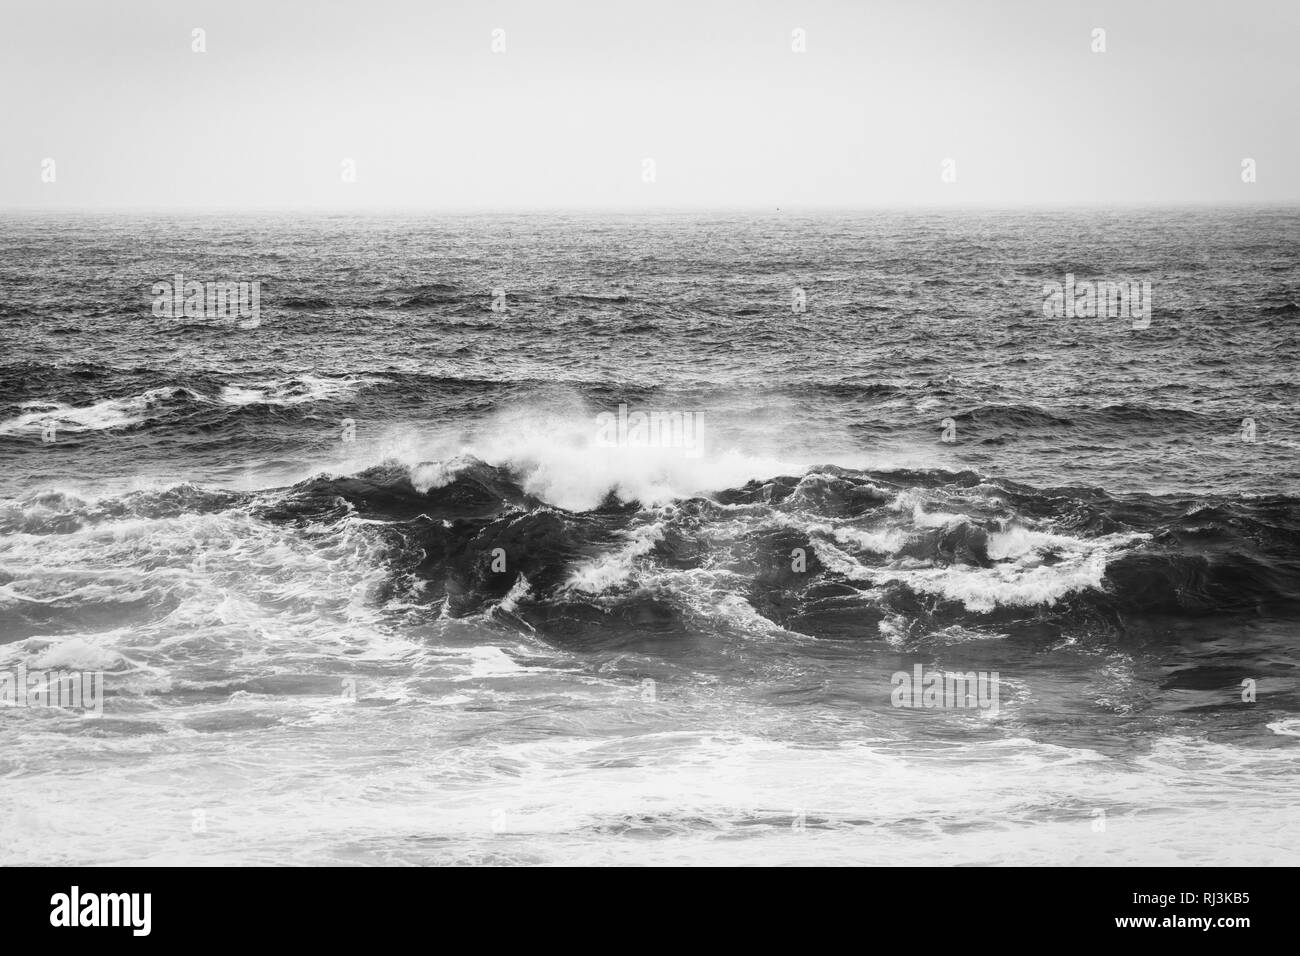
585	91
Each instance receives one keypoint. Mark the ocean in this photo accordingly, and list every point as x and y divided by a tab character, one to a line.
656	538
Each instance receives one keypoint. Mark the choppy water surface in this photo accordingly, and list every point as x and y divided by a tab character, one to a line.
475	634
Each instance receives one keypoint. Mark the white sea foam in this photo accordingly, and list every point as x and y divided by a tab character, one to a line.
606	571
1290	727
1020	578
105	414
132	410
79	653
296	390
914	501
560	462
882	541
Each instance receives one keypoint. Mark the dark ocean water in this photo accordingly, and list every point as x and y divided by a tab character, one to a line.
462	630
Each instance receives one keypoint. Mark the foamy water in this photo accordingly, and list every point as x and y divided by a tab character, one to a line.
366	584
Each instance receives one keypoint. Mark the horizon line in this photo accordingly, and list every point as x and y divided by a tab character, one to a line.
751	208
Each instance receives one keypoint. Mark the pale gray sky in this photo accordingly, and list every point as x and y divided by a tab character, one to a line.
585	90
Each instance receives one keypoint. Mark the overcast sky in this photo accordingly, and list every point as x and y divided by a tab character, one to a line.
586	90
